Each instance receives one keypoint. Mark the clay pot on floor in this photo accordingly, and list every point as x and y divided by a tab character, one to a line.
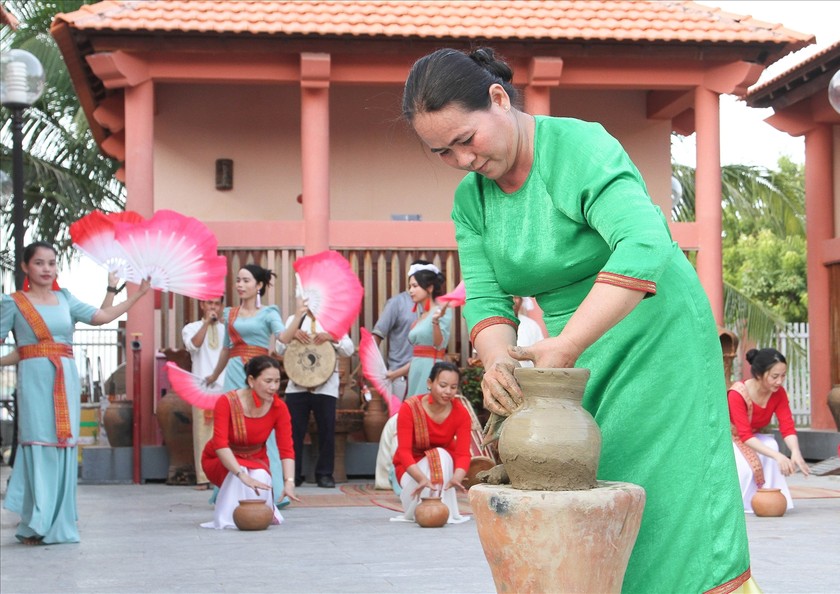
769	503
252	514
119	423
551	443
376	415
431	513
174	416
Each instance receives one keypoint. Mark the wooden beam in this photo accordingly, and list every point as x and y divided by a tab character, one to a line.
666	105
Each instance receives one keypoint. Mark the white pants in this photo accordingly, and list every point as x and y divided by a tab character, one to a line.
232	490
449	496
385	454
773	478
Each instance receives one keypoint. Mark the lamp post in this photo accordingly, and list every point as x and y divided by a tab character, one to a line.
834	91
21	85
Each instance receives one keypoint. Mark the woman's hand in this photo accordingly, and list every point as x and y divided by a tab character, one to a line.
437	314
425	483
797	459
302	336
145	285
785	465
502	394
211	379
557	352
289	491
455	482
249	481
113	279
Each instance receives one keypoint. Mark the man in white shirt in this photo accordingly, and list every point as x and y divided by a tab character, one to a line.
321	401
204	340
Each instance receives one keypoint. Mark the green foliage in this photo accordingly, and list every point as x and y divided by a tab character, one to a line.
471	386
66	176
764	257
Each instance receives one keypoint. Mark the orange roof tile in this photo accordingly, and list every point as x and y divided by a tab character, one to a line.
497	19
827	54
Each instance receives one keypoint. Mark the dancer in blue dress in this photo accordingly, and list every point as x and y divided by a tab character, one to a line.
42	488
252	330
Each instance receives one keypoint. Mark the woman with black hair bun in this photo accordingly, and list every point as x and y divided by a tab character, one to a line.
430	333
752	405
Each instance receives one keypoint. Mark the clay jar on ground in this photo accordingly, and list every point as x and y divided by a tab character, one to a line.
431	513
551	443
769	503
252	514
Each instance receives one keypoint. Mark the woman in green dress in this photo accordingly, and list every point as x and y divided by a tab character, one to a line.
554	208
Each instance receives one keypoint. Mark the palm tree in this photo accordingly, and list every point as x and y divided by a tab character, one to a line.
66	174
753	198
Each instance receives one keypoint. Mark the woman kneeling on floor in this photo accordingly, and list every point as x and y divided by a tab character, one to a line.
433	451
235	459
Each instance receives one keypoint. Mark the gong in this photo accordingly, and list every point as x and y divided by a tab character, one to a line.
309	365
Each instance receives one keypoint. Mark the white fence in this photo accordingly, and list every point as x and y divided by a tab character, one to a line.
793	344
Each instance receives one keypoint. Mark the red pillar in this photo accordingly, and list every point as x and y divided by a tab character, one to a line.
708	199
819	219
315	150
139	183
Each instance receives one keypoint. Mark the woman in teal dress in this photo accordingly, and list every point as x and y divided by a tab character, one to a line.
554	208
430	333
42	488
251	330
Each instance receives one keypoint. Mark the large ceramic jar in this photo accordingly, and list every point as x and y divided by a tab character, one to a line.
834	404
118	420
551	443
174	416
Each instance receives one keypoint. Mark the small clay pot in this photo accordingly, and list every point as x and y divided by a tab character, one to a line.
431	513
769	503
252	514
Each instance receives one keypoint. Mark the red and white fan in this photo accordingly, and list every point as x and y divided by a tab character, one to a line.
374	370
331	289
177	253
94	236
192	388
456	297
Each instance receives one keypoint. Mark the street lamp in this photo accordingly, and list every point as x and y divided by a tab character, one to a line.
21	84
834	91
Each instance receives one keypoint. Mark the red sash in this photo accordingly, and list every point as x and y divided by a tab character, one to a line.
48	348
421	439
240	348
748	453
429	352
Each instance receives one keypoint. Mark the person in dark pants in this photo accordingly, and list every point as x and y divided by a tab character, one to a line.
320	400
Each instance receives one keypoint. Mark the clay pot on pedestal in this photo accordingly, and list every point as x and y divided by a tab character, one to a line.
252	514
834	404
174	416
375	417
431	513
769	503
551	443
119	423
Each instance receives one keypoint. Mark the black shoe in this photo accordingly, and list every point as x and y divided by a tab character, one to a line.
326	482
298	481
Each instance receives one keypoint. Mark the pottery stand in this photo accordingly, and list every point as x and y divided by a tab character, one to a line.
558	541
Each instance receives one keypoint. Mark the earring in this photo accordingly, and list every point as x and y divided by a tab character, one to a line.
259	301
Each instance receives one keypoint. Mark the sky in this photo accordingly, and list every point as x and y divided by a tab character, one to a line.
745	138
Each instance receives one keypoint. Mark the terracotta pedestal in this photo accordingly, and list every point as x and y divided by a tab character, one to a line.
558	541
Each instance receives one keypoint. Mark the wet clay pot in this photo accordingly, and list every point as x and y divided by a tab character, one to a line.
551	443
252	514
174	416
119	423
769	503
375	417
431	513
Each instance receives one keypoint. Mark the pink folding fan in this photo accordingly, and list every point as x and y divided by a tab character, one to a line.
374	370
192	388
331	289
456	297
94	236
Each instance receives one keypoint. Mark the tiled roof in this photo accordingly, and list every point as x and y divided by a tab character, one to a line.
820	59
497	19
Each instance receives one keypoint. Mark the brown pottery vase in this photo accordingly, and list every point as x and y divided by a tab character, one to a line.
252	514
769	503
834	404
551	443
375	417
119	423
174	416
431	513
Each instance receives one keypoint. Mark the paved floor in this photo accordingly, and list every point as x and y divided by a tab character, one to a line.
145	538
